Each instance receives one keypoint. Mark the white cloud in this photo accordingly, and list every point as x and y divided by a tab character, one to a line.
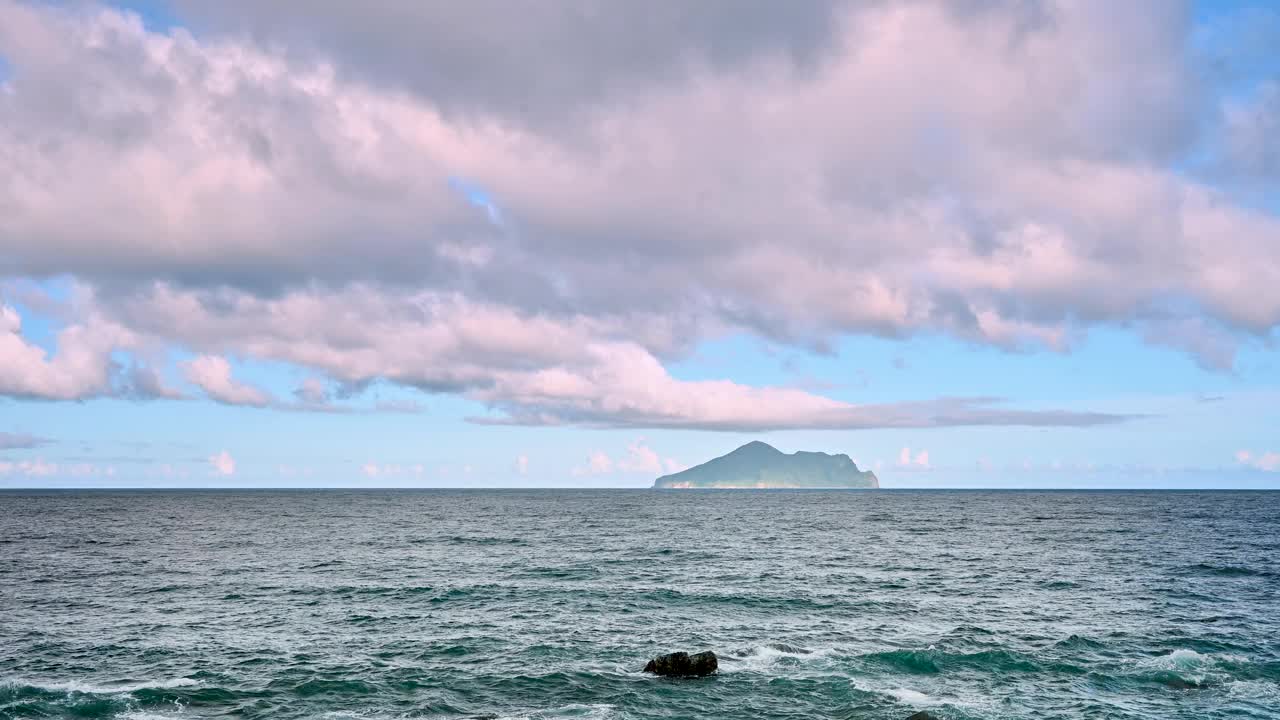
80	368
373	469
906	461
30	468
1266	461
522	464
213	375
299	203
528	370
222	463
598	463
639	459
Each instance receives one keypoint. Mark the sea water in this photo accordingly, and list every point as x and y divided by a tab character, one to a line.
546	604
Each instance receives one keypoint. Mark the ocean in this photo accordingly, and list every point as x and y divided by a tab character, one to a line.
546	603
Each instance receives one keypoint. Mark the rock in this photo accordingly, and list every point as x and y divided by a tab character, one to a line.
1178	683
922	715
682	664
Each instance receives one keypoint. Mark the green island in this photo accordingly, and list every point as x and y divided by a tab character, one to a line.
758	465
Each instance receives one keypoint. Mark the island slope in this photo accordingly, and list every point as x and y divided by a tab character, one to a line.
761	466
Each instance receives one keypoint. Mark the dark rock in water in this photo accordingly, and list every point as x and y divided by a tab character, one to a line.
922	715
682	664
1179	683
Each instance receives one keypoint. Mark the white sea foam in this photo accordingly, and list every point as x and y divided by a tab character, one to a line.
1185	659
1191	664
973	701
79	686
597	711
148	715
1255	690
764	657
912	697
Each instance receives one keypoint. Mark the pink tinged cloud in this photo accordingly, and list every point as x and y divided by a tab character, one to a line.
80	368
223	464
639	458
1049	200
920	461
212	374
1265	461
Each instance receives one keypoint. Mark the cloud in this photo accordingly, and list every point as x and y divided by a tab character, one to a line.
373	470
920	461
529	370
522	464
81	367
21	441
1265	461
213	375
312	391
897	168
29	468
409	407
639	458
82	364
598	463
141	382
223	463
582	55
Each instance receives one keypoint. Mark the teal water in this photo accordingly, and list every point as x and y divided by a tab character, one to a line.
545	604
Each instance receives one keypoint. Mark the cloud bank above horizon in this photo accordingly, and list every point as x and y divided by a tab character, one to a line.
541	209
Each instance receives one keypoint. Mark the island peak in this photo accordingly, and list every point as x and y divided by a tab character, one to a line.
759	465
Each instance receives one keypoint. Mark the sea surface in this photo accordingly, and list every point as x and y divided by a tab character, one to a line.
546	604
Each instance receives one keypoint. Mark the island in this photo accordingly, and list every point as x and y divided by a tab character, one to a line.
758	465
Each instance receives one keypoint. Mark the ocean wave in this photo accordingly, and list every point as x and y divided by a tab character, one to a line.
585	711
971	702
763	657
1186	669
1079	642
912	697
933	661
473	540
1255	691
1223	570
79	686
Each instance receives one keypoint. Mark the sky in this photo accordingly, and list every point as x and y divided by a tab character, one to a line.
979	243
